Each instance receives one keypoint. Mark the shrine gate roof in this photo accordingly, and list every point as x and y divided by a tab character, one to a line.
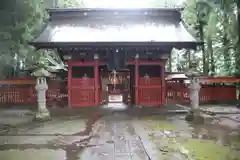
153	27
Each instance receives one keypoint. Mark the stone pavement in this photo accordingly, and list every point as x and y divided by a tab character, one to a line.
112	138
13	117
217	109
228	116
116	139
56	139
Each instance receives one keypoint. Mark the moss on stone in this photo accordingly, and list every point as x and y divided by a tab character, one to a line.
209	150
160	125
197	149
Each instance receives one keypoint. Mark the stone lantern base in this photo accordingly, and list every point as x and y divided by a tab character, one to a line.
195	116
43	115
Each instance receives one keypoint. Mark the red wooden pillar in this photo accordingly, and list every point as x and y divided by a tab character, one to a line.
69	82
162	70
96	80
136	79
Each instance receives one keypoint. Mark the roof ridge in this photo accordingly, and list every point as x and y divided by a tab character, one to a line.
165	13
112	9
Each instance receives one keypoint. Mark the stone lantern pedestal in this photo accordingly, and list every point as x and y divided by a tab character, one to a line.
194	90
41	88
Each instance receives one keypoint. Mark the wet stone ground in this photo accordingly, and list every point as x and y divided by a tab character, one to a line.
118	136
52	140
110	137
116	139
175	139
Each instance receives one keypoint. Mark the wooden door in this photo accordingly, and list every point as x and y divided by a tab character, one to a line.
149	85
82	87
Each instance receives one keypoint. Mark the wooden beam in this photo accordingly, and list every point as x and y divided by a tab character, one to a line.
69	83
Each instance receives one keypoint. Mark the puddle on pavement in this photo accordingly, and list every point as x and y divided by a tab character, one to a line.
71	150
89	124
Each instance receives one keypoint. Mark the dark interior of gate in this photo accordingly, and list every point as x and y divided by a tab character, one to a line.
112	51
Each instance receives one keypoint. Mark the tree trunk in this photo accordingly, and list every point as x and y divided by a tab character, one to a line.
210	53
226	55
189	58
170	63
238	43
201	33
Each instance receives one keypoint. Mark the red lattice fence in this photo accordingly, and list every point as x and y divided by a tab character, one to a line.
22	91
177	92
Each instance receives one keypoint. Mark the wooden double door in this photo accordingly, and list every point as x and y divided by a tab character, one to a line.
91	85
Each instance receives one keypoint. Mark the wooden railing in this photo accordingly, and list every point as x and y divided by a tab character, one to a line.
22	91
209	93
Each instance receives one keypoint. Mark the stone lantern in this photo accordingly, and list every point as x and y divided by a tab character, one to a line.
41	88
45	67
194	90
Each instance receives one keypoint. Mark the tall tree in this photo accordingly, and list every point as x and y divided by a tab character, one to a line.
237	57
219	33
20	22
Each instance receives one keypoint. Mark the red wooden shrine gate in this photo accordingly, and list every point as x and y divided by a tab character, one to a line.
84	89
149	91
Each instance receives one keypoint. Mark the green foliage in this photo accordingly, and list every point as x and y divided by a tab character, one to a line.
219	30
21	21
46	64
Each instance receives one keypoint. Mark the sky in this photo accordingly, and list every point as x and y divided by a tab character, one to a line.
130	3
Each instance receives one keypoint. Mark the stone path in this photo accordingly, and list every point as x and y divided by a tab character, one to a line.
115	140
227	116
54	140
220	109
112	138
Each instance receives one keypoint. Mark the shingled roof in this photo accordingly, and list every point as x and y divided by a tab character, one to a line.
115	27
